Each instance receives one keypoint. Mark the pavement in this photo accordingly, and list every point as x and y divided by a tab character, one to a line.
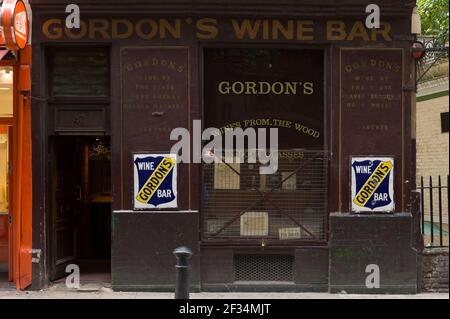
102	291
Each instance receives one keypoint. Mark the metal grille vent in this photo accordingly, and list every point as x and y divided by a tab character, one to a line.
263	267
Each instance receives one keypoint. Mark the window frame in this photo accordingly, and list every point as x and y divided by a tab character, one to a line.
11	121
75	99
444	122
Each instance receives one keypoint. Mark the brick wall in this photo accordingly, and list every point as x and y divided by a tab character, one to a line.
435	270
432	144
432	156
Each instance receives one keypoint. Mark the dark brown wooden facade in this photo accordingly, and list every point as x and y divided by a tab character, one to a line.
179	36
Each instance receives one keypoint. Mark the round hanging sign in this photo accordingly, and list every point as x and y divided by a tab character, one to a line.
15	24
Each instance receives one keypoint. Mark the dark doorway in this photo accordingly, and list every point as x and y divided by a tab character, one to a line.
80	203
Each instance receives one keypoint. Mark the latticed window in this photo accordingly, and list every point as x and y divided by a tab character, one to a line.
241	203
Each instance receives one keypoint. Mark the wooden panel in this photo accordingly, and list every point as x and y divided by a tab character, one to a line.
80	119
141	260
371	112
155	100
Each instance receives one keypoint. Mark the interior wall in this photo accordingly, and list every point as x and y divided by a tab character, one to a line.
3	196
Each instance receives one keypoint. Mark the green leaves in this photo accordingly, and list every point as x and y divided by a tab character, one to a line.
434	15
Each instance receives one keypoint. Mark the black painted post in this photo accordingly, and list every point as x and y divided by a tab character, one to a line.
182	269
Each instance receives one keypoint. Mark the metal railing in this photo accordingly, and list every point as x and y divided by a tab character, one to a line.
434	208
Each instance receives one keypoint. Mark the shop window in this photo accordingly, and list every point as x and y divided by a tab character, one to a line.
267	88
444	122
6	91
79	71
4	168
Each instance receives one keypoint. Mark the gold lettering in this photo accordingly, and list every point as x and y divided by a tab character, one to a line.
98	25
174	30
291	88
263	87
77	35
305	27
245	28
234	88
287	32
358	30
308	88
224	87
116	34
336	31
251	86
207	28
384	30
56	31
151	33
265	29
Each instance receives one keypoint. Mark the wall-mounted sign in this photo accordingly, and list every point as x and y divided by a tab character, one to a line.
155	181
372	185
15	24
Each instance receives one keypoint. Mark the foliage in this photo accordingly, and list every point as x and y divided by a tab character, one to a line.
434	15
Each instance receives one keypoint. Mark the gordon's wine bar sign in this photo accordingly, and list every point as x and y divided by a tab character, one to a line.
213	28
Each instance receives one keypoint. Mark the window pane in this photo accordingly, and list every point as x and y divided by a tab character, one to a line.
79	72
444	122
3	169
6	91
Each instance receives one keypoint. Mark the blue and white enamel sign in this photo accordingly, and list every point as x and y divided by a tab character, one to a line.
372	184
155	181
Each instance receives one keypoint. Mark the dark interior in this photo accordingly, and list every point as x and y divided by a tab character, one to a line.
81	206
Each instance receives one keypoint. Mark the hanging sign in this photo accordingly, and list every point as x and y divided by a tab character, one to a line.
155	181
372	186
15	24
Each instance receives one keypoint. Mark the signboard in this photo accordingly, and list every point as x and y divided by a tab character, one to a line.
155	181
289	233
372	184
255	224
267	88
15	24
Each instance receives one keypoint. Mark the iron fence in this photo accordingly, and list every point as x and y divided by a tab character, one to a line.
239	203
434	208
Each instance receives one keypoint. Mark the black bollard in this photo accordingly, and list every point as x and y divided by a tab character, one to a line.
182	285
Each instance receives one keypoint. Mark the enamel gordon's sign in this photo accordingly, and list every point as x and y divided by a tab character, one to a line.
372	184
155	181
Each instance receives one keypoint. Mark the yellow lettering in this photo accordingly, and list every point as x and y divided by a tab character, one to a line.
245	28
98	25
116	24
77	35
305	27
358	30
336	31
55	32
166	26
207	28
384	30
150	33
287	32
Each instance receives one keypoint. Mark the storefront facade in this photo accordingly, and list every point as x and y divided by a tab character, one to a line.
119	85
15	146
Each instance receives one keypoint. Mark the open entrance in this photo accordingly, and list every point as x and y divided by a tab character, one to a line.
80	203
